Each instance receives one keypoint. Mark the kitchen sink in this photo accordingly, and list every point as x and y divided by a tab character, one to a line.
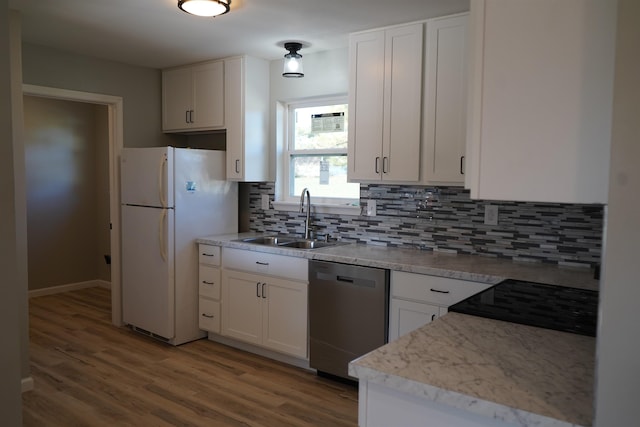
308	244
288	242
268	240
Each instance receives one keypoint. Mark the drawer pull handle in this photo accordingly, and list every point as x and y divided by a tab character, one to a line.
208	316
439	291
205	254
208	283
262	263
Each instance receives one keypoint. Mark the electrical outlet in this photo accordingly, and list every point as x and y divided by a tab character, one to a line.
491	215
265	201
371	207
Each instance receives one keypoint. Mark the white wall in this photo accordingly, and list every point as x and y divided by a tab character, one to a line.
618	351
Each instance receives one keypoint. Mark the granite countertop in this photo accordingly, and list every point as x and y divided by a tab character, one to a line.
465	267
520	374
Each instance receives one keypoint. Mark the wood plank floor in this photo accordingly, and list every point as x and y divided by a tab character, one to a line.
88	372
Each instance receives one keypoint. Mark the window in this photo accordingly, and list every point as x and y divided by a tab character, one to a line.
315	156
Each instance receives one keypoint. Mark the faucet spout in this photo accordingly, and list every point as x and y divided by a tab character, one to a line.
305	192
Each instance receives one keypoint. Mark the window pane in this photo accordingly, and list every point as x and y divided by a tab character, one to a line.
320	127
324	176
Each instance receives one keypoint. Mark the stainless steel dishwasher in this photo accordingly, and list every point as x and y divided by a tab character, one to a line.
348	314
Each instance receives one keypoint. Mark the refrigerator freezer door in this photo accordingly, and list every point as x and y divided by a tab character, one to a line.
146	176
148	300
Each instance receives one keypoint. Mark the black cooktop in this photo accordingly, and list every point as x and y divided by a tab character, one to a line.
536	304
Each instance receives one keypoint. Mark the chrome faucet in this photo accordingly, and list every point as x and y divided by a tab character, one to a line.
306	223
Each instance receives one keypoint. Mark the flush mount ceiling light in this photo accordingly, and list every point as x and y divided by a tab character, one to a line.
209	8
293	60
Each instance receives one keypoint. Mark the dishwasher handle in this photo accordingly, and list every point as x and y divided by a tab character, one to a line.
345	279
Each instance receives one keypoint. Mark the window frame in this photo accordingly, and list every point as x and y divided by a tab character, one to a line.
288	151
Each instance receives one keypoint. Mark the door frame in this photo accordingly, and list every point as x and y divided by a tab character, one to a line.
114	105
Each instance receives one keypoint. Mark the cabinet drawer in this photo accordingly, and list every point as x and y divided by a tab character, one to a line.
432	289
264	263
209	315
208	254
209	281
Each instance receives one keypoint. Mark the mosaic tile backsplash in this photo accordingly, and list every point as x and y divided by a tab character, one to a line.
445	219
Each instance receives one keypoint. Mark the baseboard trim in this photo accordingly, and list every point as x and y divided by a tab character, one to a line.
291	360
69	287
27	384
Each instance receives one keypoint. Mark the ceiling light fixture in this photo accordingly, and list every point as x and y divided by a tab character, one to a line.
210	8
293	60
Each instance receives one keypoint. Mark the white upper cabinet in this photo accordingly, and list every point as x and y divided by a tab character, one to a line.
193	97
445	101
247	115
385	95
539	118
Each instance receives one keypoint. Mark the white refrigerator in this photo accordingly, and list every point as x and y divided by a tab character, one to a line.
169	196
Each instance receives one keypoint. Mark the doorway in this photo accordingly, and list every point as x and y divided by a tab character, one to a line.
114	128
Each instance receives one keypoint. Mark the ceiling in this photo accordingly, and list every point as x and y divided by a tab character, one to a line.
155	33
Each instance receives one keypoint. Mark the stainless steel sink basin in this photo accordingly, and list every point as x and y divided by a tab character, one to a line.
308	244
268	240
288	242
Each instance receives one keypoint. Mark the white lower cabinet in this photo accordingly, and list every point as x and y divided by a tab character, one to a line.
409	315
209	288
417	299
261	309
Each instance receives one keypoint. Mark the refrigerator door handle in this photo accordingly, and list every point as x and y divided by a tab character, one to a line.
161	181
161	236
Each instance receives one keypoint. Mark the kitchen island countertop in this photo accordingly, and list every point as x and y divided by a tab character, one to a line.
522	375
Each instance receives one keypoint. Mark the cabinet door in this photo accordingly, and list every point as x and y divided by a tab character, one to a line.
176	99
234	106
541	100
445	105
406	316
285	317
366	97
208	95
402	104
241	306
247	118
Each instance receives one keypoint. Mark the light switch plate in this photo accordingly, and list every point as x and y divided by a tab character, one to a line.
265	201
491	215
371	207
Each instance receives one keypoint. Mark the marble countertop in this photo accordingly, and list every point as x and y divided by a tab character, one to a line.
464	267
520	374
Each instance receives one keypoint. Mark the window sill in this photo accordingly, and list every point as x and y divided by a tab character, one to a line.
318	208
